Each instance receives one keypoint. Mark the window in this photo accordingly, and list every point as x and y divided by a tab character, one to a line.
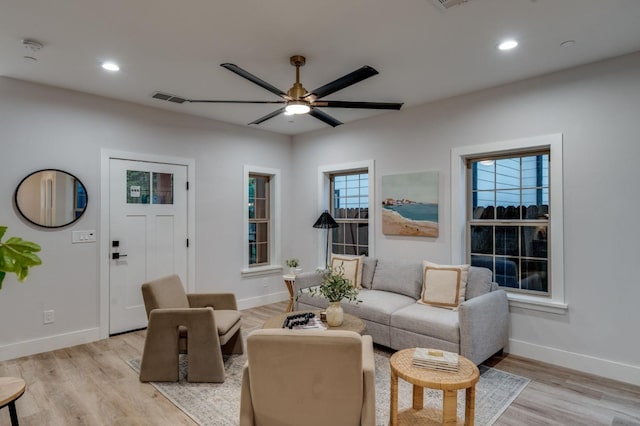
350	208
347	191
508	219
261	220
525	174
258	209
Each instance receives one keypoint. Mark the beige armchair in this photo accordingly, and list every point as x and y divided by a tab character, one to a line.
201	325
308	377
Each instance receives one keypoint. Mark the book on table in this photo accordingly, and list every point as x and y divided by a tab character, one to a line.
435	359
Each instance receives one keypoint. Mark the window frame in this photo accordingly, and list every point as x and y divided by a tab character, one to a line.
496	222
345	221
266	220
555	302
324	199
275	237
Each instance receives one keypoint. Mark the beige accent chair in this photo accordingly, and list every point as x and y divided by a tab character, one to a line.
308	377
201	325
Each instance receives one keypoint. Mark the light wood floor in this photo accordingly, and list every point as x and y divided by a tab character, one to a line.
92	385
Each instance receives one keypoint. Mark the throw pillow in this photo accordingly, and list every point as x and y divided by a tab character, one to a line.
443	285
351	265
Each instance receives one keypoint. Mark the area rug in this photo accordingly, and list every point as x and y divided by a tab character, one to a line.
218	404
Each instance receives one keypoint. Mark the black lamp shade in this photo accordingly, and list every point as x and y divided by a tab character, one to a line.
325	221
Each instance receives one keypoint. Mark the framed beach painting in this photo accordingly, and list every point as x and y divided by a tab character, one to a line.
410	204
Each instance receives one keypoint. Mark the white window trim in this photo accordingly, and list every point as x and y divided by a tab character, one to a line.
275	236
324	186
555	303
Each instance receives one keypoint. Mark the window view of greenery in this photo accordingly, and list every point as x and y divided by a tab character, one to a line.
149	188
508	221
350	208
258	220
138	187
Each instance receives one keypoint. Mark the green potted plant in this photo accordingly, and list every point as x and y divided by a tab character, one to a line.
17	256
335	288
292	263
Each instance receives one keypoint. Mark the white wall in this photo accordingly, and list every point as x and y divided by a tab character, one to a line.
45	127
596	108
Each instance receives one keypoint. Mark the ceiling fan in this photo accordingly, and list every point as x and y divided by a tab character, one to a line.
298	100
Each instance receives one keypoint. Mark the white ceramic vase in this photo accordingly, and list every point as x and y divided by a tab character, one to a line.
335	314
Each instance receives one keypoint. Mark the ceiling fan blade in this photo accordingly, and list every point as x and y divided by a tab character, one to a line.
210	101
255	80
180	100
344	81
268	116
361	105
324	117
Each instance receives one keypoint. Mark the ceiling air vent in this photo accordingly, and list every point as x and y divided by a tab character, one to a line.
446	4
168	97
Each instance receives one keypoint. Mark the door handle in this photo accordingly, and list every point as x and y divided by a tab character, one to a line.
116	256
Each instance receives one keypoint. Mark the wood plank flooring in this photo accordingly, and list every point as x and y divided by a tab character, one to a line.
93	385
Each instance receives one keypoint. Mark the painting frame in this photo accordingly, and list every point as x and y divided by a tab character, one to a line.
410	204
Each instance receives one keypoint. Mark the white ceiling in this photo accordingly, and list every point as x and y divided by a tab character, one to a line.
423	53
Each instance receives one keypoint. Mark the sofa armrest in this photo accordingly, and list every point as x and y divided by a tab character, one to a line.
484	325
368	416
219	301
306	280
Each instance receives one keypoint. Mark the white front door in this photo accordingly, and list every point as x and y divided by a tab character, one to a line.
147	234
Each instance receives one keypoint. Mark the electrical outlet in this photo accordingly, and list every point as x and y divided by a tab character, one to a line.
49	317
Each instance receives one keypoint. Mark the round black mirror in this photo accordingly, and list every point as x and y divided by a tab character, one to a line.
51	198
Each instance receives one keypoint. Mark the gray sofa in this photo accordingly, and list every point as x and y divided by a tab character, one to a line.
477	330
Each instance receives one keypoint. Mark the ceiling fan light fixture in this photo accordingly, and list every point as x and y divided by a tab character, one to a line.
110	66
297	107
508	45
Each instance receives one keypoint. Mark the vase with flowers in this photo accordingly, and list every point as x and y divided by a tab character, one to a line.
335	288
292	263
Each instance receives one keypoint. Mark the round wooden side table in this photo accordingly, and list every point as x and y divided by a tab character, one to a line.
449	382
351	322
11	388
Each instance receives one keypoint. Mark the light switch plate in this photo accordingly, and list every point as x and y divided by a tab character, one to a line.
88	236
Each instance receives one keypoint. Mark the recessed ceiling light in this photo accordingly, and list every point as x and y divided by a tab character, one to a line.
110	66
567	43
508	45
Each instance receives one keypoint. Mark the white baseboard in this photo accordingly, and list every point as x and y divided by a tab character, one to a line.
587	364
49	343
266	299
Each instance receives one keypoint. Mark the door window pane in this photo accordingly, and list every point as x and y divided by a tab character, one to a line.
138	187
162	188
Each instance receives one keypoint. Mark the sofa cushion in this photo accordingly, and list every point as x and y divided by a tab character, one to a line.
368	270
478	282
443	285
398	277
351	267
377	306
429	321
